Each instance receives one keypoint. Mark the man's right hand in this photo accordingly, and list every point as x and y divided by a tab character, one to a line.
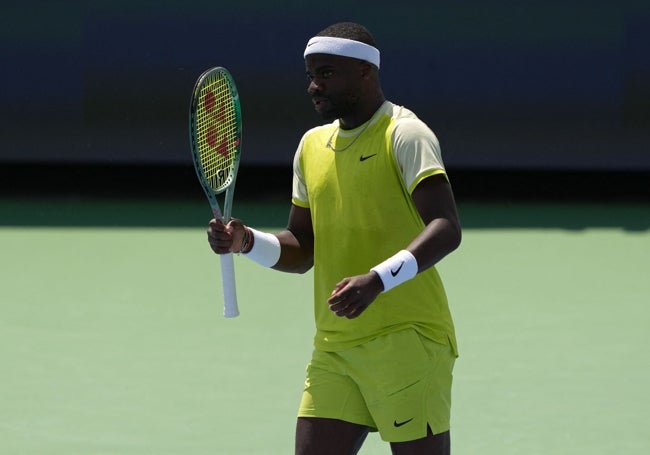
226	238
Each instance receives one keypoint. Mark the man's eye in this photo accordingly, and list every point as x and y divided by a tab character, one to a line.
320	75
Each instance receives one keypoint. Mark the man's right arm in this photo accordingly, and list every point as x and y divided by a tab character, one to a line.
296	241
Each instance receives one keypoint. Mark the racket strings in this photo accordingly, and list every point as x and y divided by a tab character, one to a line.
216	131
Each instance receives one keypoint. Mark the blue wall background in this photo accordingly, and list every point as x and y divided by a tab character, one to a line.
507	85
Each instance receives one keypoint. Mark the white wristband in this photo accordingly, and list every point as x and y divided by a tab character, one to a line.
397	269
266	248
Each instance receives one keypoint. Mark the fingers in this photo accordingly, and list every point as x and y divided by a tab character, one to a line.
348	307
220	237
225	238
352	296
348	299
339	286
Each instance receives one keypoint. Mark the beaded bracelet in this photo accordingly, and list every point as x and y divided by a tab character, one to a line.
247	242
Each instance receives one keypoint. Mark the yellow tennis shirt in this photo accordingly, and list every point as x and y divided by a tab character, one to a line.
358	191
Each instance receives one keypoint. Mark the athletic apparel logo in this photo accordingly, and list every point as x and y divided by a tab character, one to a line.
396	271
364	158
397	424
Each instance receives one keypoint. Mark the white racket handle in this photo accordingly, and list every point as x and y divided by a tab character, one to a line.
230	308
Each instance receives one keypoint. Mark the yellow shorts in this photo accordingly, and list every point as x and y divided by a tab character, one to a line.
396	384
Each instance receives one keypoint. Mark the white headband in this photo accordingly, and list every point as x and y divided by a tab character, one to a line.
343	47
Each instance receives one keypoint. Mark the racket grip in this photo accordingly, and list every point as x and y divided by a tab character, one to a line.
230	308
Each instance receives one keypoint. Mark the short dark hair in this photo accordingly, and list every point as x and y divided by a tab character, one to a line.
349	30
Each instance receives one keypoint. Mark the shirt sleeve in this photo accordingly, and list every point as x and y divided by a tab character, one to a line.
299	195
417	152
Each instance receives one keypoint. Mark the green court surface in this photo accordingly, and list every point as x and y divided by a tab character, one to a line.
112	340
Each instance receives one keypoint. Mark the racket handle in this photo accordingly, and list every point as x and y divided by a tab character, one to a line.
230	308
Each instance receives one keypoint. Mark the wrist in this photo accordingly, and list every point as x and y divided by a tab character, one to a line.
264	248
397	269
247	241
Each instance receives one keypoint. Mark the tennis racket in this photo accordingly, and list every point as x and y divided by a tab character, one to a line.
215	140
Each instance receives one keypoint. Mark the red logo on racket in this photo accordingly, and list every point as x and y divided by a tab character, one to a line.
219	115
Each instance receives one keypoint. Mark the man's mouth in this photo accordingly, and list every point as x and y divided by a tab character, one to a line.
319	101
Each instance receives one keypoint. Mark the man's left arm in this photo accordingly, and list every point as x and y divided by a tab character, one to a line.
435	202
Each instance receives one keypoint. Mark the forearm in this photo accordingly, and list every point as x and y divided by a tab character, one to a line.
290	250
296	255
283	251
441	235
439	238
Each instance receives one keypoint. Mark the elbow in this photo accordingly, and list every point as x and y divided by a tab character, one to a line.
304	267
307	265
299	267
455	236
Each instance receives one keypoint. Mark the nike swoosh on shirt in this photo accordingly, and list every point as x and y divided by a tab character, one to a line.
364	158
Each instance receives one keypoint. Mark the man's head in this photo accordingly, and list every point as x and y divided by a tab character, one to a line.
346	39
342	63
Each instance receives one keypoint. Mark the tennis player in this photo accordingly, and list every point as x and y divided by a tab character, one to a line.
372	212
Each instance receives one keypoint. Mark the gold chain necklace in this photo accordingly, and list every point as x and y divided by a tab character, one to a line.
329	141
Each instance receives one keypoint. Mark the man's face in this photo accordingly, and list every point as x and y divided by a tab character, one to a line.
334	84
